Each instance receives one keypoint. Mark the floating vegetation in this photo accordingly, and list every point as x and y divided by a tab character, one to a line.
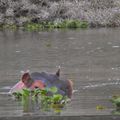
47	25
116	112
47	99
116	102
100	107
48	44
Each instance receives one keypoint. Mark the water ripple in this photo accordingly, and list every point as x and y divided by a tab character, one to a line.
101	85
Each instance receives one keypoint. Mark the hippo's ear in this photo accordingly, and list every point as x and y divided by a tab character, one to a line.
25	77
58	72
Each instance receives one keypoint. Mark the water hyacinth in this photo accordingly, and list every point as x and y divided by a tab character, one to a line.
46	99
116	102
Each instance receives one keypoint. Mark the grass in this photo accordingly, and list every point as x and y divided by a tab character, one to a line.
30	26
47	99
8	26
55	25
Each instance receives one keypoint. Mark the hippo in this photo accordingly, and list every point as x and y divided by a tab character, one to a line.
42	80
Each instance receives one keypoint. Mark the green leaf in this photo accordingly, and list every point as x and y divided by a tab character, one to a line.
43	92
53	89
17	95
57	97
26	92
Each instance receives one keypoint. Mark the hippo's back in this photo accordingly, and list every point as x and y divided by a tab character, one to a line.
51	80
45	77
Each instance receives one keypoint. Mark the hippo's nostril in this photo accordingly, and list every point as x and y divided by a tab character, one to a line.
36	87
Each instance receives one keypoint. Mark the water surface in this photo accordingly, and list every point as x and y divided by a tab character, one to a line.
91	58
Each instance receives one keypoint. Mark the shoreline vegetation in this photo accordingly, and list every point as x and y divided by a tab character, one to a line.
45	25
50	14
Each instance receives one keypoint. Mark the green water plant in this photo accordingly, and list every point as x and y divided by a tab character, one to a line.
100	107
116	102
47	99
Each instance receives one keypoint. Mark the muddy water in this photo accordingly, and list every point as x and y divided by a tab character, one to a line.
91	58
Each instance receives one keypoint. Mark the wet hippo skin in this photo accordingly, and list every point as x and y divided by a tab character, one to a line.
43	80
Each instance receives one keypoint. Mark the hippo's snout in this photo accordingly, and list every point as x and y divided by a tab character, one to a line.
17	87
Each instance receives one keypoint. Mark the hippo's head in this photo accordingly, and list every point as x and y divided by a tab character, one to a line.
42	80
27	82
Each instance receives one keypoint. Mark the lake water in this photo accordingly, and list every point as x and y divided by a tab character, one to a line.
91	58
